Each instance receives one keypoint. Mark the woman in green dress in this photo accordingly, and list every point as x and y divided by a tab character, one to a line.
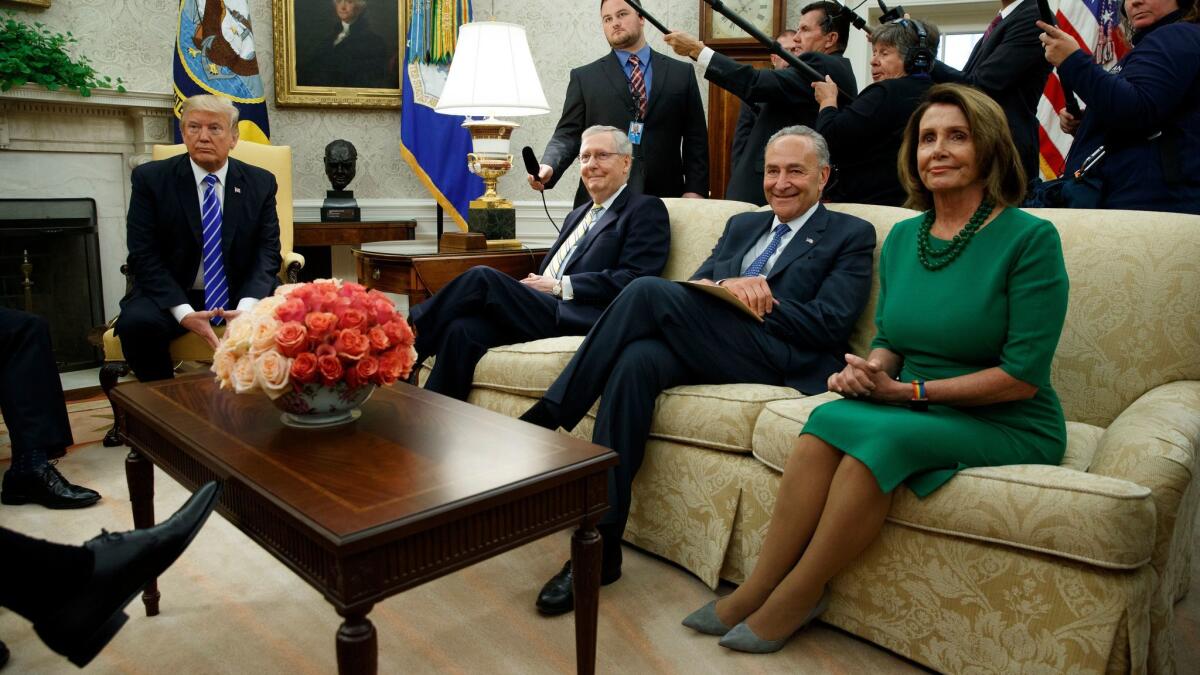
972	298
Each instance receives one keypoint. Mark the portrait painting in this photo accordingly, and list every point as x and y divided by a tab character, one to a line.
340	53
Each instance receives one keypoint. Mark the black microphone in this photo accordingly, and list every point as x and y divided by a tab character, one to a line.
531	163
534	169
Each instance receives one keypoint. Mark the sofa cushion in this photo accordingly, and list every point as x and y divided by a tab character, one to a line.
527	368
1060	511
716	416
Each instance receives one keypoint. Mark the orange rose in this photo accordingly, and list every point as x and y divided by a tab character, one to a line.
304	368
330	368
396	364
351	344
366	368
398	332
353	318
291	338
320	324
379	339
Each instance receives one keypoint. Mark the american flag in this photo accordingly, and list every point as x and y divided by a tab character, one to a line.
1095	25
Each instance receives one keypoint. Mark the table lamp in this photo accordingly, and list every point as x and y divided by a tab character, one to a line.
491	75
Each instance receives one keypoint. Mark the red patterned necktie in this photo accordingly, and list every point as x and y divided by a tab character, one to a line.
637	85
991	26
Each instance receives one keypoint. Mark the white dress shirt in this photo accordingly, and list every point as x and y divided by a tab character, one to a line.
794	226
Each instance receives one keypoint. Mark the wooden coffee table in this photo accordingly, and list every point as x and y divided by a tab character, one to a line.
418	487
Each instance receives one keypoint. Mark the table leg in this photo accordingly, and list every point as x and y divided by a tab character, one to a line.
357	647
585	563
139	473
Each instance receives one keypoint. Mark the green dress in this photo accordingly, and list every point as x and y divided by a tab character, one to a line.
1001	303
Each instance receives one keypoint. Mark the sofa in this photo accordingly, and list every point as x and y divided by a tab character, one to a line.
1071	568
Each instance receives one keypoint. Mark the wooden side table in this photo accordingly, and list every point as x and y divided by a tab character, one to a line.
315	239
420	272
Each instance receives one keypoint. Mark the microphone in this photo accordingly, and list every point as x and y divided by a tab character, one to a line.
532	166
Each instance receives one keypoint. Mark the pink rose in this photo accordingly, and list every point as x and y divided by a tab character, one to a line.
292	309
330	368
271	370
353	319
291	338
351	344
325	350
320	324
304	368
382	310
350	289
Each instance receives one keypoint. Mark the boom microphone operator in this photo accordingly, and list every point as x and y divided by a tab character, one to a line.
532	166
890	15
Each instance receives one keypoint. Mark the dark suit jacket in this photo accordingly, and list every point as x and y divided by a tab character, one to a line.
1011	67
673	156
784	97
747	113
164	232
359	60
864	139
822	281
631	240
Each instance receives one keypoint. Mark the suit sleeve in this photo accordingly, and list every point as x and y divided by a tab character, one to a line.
824	322
647	241
695	141
857	125
260	282
758	86
1147	92
1019	50
564	144
150	273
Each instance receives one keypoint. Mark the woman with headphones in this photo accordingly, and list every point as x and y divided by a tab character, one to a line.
864	137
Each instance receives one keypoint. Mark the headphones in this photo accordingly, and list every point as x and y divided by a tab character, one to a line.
918	59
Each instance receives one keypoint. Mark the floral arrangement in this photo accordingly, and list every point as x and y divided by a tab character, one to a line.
328	333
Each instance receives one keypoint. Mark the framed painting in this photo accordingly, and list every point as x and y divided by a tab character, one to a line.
338	53
32	3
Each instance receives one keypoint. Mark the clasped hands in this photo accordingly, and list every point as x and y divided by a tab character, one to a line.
200	323
540	282
867	379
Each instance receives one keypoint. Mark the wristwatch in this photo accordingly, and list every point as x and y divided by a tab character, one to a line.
919	401
557	290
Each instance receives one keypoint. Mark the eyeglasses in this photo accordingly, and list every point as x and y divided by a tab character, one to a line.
214	130
598	156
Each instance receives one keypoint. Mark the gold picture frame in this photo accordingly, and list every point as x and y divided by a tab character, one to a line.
316	68
34	3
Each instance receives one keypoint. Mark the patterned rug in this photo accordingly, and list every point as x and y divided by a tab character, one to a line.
90	419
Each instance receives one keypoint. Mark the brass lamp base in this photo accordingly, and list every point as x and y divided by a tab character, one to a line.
490	213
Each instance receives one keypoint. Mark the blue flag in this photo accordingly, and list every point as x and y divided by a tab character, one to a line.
214	54
435	145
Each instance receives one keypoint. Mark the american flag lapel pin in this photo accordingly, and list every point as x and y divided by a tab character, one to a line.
808	240
238	190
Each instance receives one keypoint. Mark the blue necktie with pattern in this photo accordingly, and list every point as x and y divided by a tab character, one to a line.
756	267
216	290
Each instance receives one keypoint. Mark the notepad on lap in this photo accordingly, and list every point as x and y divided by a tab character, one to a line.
722	293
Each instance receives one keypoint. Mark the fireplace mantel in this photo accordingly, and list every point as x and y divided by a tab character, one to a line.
35	119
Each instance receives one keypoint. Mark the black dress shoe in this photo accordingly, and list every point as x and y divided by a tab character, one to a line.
3	654
124	563
558	597
543	413
47	487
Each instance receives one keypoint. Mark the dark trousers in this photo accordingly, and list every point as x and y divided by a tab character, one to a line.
146	332
657	334
35	574
480	309
31	395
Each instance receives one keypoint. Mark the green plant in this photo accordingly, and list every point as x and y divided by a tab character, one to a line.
34	54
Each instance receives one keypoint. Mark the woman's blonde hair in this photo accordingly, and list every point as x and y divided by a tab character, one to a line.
999	164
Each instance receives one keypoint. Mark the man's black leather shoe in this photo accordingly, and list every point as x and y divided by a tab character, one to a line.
124	563
47	487
557	596
543	413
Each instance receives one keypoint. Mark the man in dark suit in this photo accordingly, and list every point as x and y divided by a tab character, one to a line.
1009	65
618	236
182	257
784	97
634	88
804	271
351	54
31	399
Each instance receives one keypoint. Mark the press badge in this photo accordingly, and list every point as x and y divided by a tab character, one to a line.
635	132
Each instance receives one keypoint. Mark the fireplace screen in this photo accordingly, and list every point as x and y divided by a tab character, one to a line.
50	265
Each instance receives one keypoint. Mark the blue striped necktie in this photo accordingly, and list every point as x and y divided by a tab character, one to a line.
756	267
216	290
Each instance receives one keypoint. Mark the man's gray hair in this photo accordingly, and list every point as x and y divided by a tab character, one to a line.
903	36
212	104
620	140
818	141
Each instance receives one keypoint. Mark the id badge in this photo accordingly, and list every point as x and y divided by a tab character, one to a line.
635	132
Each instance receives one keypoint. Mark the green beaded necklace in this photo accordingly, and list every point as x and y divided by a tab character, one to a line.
935	260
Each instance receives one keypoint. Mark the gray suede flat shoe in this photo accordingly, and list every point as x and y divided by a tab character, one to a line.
704	620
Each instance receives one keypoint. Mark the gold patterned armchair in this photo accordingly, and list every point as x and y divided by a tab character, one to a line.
190	347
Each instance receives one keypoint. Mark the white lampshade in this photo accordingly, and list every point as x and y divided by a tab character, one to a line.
492	73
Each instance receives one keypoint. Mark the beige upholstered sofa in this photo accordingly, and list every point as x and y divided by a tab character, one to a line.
1022	568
